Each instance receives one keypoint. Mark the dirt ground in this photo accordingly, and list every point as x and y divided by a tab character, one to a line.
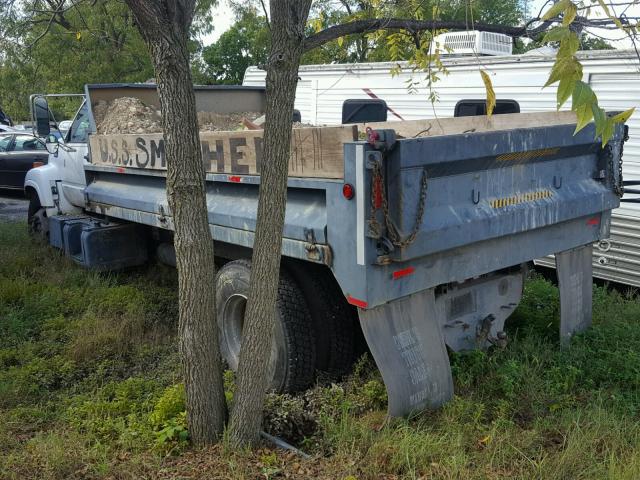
13	207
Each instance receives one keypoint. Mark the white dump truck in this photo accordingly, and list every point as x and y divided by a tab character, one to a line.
415	233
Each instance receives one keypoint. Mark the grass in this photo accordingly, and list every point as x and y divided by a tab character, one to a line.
89	388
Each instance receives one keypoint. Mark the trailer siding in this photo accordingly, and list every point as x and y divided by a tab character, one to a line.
614	77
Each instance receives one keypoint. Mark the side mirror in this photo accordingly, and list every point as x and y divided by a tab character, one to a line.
41	116
51	138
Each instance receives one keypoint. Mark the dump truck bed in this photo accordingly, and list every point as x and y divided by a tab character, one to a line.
477	194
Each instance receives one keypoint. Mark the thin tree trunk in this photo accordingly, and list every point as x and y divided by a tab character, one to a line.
165	27
288	20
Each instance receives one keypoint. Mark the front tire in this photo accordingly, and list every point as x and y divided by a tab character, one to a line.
37	221
293	353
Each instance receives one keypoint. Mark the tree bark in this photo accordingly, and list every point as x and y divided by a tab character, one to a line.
165	27
288	21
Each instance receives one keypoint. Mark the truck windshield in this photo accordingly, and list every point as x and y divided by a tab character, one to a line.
79	131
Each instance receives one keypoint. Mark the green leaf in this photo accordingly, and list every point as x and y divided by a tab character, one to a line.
570	13
569	45
564	67
582	102
607	131
556	9
584	113
491	95
582	94
556	34
565	89
623	116
599	117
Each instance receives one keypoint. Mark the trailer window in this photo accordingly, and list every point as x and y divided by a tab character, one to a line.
467	108
79	131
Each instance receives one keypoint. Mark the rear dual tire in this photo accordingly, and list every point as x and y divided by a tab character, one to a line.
293	353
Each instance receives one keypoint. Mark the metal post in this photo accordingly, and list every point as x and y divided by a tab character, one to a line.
575	280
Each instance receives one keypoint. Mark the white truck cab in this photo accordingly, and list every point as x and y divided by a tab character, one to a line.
58	187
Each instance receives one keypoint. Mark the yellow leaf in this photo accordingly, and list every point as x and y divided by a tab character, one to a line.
569	14
623	116
491	95
616	20
556	9
340	41
78	36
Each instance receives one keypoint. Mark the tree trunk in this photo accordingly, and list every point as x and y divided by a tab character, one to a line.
165	28
288	21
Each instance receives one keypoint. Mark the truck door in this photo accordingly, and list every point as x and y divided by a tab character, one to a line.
73	181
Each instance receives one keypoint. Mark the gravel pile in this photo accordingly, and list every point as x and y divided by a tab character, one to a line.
224	122
130	115
126	115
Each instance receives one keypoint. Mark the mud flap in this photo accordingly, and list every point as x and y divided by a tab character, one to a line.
575	279
408	346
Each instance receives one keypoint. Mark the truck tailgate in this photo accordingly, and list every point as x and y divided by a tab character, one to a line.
481	186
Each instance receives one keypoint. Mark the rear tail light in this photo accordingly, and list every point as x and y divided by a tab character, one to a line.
348	191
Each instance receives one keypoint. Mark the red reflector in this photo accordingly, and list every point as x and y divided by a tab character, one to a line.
120	170
377	192
37	164
403	273
347	191
356	302
235	179
593	221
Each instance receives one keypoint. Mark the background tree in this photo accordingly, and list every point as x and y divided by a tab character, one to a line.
246	43
58	46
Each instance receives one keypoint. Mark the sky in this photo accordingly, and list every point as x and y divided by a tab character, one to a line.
224	19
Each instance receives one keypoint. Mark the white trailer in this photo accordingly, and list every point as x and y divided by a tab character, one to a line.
613	75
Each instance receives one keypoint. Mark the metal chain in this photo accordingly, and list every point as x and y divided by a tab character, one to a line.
392	230
618	185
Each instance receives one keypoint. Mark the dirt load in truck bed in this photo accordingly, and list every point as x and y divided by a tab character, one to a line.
130	115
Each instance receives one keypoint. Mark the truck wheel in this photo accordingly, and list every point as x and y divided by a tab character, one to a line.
37	221
335	321
293	353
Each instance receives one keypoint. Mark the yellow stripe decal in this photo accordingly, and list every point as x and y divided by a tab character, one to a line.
528	155
522	198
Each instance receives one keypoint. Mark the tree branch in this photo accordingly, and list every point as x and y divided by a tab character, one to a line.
411	25
370	25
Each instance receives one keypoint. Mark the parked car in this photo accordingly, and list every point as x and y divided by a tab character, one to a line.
19	152
5	119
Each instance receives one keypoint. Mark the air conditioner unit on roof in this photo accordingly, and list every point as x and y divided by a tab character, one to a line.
474	42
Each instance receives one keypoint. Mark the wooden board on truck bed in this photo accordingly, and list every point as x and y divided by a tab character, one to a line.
474	124
316	152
